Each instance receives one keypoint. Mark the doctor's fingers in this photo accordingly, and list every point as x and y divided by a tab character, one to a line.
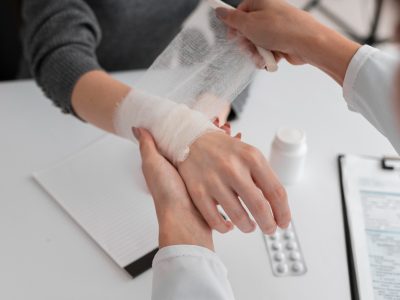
234	18
148	148
247	47
232	206
278	56
251	5
245	5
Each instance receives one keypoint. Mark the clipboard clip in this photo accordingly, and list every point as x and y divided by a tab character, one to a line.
390	163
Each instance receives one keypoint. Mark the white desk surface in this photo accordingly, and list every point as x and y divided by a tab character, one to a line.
45	255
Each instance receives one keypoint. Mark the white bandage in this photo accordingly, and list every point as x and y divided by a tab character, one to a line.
201	67
174	126
269	59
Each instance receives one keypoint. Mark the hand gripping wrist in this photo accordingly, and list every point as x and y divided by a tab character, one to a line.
174	126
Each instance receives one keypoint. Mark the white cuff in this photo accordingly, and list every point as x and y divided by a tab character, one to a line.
185	272
369	89
357	62
177	251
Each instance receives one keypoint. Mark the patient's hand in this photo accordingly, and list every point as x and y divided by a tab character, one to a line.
221	168
179	221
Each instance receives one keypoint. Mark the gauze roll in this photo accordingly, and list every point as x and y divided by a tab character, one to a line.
174	126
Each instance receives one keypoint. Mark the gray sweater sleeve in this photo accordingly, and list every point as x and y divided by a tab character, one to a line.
59	40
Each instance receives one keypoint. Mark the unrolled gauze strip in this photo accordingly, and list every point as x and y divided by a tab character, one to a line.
201	67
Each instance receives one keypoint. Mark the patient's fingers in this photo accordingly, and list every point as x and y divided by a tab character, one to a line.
274	192
216	122
220	168
232	206
208	209
239	178
227	128
257	205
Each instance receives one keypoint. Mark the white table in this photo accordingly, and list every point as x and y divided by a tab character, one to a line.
45	255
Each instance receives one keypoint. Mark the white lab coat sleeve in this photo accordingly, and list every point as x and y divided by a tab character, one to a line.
185	272
369	88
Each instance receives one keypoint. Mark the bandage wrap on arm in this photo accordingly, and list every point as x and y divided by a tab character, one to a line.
195	78
174	126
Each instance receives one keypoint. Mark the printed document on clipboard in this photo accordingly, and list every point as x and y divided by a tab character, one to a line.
371	196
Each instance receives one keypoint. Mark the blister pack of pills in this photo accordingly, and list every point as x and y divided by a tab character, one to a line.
285	253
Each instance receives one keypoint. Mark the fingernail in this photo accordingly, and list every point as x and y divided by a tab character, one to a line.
221	13
216	121
238	136
271	231
253	225
261	63
285	226
136	132
228	125
230	226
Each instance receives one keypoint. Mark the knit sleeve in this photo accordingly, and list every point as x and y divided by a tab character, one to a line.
59	39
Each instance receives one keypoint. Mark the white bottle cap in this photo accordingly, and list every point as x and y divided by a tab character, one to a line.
290	139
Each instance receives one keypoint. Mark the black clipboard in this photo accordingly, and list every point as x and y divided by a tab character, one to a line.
350	258
387	163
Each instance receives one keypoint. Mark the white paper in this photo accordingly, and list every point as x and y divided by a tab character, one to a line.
102	188
373	203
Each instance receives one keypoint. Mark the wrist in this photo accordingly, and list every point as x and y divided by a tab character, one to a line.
173	126
95	96
329	51
175	230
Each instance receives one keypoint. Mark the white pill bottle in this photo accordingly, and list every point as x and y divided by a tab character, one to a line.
288	154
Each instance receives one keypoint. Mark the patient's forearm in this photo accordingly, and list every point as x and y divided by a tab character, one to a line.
95	98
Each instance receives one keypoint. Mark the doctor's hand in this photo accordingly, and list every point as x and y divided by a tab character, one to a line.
219	170
292	34
179	221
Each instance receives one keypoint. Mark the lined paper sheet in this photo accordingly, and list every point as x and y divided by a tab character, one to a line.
102	188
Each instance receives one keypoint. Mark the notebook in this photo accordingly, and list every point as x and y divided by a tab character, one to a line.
371	197
103	190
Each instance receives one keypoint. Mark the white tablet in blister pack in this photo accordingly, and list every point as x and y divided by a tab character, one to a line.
285	253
